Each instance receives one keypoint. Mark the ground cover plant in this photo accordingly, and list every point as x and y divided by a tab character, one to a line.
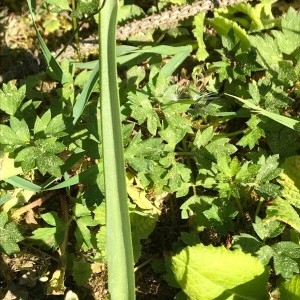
167	167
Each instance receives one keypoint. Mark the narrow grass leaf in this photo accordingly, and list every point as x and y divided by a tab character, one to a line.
22	183
286	121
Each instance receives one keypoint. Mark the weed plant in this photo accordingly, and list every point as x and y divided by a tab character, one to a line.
207	119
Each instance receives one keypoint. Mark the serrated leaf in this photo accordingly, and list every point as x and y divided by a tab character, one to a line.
220	147
224	25
269	168
268	51
284	257
252	134
142	111
11	97
10	235
47	237
177	175
264	254
137	194
62	4
289	40
204	137
41	124
201	53
50	145
282	211
140	153
85	7
20	128
81	271
50	164
27	158
289	179
56	126
202	273
290	290
10	137
142	225
85	238
268	229
176	130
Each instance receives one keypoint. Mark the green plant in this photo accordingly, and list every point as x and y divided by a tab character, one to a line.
203	132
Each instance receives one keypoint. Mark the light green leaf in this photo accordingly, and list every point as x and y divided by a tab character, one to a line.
290	290
41	124
223	25
282	211
289	179
11	98
50	237
204	137
289	39
51	218
142	225
285	255
202	273
269	53
55	126
49	163
50	145
252	134
7	166
20	128
176	130
269	168
268	229
201	53
9	136
62	4
142	110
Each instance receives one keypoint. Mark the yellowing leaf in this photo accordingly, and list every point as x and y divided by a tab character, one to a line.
7	167
56	284
138	194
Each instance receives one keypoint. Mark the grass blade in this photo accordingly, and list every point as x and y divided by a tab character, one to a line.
286	121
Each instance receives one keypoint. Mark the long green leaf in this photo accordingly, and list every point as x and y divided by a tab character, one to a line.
286	121
51	62
120	263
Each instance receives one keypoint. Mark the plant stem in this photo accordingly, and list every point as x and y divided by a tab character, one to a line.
120	264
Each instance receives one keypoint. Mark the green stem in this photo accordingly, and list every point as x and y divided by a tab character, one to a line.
75	29
121	283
